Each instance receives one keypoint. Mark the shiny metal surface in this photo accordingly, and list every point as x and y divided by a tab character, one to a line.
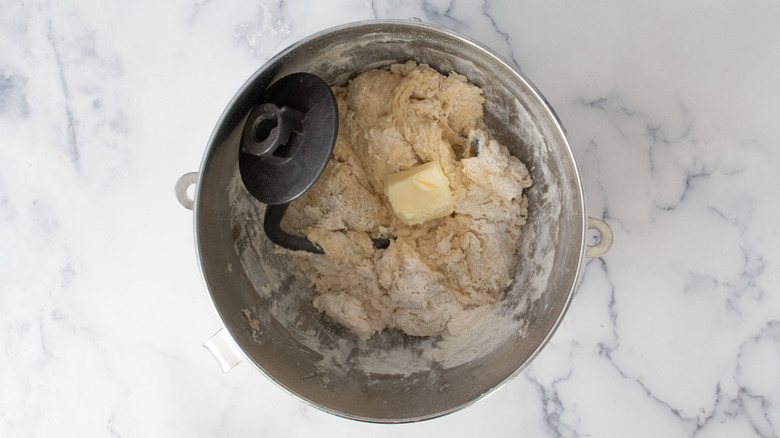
182	185
605	238
550	253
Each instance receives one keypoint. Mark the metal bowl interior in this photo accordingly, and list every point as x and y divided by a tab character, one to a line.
391	378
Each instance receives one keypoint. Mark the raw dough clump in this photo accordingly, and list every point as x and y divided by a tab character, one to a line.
441	276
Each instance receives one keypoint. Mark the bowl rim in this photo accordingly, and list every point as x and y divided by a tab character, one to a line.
222	129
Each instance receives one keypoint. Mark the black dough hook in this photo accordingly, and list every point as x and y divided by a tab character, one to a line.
286	143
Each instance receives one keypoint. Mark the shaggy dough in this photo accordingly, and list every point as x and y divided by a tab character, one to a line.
441	276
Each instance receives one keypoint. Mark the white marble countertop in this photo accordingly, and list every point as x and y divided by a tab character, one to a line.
671	110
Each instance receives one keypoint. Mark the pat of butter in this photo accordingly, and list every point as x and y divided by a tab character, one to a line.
419	194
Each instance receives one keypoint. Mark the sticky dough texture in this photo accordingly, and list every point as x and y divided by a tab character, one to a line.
442	276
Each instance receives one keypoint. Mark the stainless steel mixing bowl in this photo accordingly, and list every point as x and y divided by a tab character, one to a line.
267	310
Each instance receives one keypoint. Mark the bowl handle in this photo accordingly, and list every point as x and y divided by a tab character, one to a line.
184	183
605	242
225	350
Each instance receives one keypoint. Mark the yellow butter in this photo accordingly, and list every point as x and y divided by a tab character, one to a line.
419	194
